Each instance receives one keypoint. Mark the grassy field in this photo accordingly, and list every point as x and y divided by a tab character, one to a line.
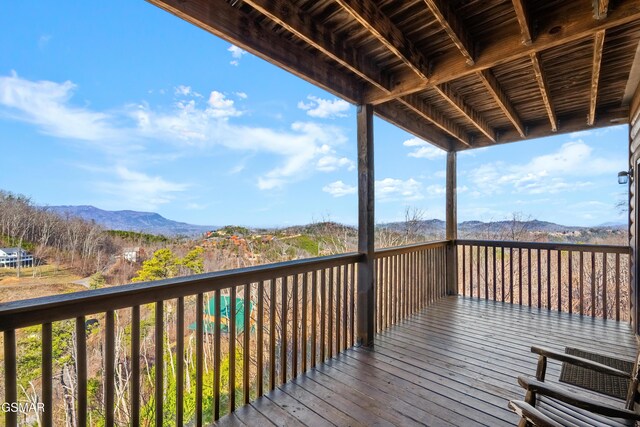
37	282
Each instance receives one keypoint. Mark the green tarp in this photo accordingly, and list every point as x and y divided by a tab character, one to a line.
225	314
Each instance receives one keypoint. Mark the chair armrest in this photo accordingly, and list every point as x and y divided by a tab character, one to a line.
580	361
566	396
531	414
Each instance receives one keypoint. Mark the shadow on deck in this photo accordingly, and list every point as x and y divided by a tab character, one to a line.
454	363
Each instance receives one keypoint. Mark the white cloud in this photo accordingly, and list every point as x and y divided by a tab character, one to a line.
339	189
187	126
139	190
547	174
182	90
324	108
332	163
424	150
46	105
44	40
391	189
241	95
236	54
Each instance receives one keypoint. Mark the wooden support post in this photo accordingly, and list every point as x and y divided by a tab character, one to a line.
452	224
366	294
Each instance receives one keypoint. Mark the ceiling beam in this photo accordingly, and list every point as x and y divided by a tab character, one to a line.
571	123
598	44
522	14
544	90
453	26
493	87
231	24
600	9
570	22
415	125
285	14
369	15
470	114
430	114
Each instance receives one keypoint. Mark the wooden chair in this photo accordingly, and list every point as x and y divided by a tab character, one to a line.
550	405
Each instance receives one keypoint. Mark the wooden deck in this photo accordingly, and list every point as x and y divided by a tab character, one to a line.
454	363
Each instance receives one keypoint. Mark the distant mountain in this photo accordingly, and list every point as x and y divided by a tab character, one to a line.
144	222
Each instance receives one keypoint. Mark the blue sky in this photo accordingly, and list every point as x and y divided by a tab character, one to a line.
123	106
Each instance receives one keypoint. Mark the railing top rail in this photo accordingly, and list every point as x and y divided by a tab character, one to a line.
381	253
577	247
19	314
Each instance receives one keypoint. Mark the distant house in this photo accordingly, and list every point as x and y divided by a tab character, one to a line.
134	254
9	257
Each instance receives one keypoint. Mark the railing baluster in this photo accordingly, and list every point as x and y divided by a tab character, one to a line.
617	287
352	306
471	271
529	277
180	361
305	320
548	279
604	285
511	275
570	267
338	305
81	367
260	341
539	279
232	348
10	376
199	356
47	375
294	327
495	290
109	368
135	366
581	283
593	284
314	323
283	337
486	273
217	349
246	335
559	280
272	333
464	271
323	313
330	314
502	284
520	276
345	305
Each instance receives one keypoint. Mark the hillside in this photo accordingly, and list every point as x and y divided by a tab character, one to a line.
144	222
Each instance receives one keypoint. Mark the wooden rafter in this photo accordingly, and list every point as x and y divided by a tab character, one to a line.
576	22
600	9
413	125
429	113
285	14
221	19
452	24
369	15
544	90
598	45
523	20
471	115
501	98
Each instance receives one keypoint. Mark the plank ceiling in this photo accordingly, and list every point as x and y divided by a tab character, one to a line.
458	73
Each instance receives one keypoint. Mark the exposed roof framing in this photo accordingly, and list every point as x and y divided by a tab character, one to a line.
541	78
522	14
598	45
496	91
452	24
600	8
461	74
471	115
368	14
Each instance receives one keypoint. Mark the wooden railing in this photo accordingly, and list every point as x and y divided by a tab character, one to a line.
180	351
408	279
585	279
293	315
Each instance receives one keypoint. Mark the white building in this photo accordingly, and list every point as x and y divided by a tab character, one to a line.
9	257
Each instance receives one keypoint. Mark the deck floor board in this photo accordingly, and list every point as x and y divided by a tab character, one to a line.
454	363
